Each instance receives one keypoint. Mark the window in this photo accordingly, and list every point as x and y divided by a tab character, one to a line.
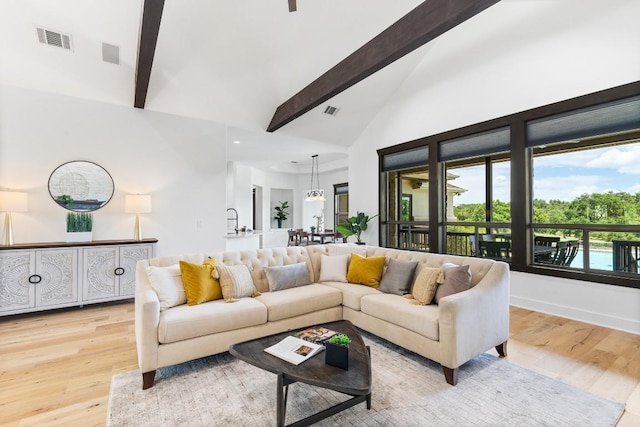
590	195
553	190
477	193
341	203
404	219
585	191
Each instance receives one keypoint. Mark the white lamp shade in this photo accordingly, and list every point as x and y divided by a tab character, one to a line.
13	201
137	203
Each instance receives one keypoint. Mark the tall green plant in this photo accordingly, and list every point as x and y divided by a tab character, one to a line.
79	222
355	225
281	213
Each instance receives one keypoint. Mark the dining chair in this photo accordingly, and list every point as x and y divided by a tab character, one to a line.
550	241
293	238
546	240
572	251
500	251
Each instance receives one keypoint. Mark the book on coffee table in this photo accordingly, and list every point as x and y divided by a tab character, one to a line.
315	334
294	350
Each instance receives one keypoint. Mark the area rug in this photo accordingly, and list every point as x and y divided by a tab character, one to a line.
408	390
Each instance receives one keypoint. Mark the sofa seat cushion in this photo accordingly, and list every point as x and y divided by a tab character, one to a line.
352	293
300	300
421	319
185	322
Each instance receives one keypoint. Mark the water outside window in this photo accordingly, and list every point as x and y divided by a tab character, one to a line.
598	188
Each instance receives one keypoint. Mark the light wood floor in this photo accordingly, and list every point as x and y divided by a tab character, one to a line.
56	367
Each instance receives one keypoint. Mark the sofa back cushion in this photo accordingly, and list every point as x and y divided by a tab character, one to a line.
258	259
478	266
332	249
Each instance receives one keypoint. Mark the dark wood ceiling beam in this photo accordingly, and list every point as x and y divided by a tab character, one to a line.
427	21
149	29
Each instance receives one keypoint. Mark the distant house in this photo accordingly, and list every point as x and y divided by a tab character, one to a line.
415	195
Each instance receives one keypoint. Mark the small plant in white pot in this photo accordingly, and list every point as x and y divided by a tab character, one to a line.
79	227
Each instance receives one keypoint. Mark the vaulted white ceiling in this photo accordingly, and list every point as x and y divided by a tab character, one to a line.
232	62
235	61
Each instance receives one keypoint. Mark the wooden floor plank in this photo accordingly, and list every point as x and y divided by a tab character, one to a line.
56	367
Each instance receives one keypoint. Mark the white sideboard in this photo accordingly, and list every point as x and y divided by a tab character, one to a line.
44	276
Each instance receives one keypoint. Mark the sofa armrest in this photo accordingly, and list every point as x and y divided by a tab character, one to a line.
474	321
147	319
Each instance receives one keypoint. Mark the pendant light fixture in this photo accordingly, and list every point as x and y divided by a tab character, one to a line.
315	194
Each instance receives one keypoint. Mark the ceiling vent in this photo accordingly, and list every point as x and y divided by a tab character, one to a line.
332	111
54	38
110	53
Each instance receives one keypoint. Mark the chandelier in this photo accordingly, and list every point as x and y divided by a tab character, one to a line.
315	194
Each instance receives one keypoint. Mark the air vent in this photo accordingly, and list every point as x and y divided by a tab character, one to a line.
110	53
54	38
332	111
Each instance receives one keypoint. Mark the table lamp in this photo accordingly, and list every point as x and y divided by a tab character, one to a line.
11	201
137	203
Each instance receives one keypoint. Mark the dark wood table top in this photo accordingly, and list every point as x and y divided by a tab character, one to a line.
314	371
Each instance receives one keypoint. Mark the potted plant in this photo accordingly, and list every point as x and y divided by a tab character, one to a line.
337	351
281	213
79	226
355	225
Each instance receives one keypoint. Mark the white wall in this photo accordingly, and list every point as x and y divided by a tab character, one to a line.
613	306
180	162
462	81
280	186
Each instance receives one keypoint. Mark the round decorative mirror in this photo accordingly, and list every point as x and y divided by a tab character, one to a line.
81	186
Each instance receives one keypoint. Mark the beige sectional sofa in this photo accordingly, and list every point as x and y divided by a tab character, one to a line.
452	332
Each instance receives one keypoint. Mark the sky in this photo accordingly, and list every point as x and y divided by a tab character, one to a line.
562	176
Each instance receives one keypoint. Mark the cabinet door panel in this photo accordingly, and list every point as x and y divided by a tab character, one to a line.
129	257
99	278
16	293
58	269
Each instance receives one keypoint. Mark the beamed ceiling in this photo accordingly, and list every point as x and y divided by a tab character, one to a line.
252	65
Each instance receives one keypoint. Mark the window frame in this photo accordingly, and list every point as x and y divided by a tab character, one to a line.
522	225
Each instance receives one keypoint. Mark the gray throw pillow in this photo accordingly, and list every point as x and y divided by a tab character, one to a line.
398	277
287	276
457	278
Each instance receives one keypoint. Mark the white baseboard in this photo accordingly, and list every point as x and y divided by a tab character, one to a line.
600	319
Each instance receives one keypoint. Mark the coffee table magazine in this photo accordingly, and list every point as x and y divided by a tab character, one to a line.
294	350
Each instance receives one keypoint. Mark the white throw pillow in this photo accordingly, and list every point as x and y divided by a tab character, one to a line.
167	282
334	268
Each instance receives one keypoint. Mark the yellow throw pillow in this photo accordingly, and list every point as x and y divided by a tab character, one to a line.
424	288
366	271
199	284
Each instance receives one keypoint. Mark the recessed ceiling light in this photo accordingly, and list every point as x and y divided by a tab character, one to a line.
236	142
